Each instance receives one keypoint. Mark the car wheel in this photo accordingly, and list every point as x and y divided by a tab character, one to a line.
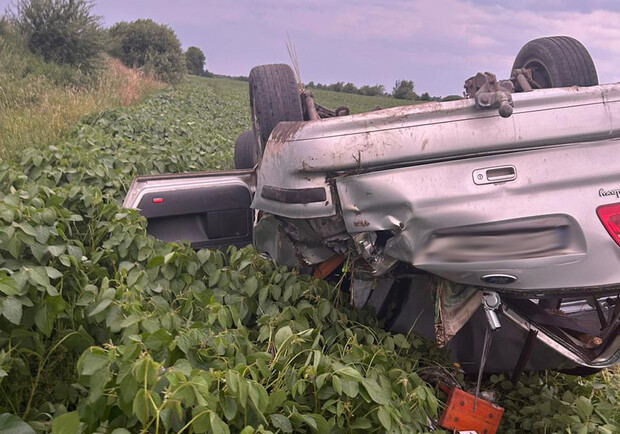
557	61
274	98
245	151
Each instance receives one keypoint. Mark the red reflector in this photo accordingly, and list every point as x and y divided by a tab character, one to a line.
158	199
610	217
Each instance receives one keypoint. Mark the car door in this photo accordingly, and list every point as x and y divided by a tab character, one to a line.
208	209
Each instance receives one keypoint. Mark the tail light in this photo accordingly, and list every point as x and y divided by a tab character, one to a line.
610	217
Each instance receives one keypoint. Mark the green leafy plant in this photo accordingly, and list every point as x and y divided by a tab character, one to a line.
195	60
148	45
403	89
61	31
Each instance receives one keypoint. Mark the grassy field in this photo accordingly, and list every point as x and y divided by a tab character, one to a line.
357	103
329	99
102	327
40	101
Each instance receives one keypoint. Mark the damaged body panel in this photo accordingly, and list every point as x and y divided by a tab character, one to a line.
531	228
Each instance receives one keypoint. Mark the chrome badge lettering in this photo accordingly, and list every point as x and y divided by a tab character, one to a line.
603	193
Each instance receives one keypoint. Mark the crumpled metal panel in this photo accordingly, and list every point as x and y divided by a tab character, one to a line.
303	154
557	189
289	243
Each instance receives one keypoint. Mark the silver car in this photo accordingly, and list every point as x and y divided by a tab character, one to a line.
497	215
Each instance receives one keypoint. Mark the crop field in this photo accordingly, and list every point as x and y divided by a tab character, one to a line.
105	329
357	103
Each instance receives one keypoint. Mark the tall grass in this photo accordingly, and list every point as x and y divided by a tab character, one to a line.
40	101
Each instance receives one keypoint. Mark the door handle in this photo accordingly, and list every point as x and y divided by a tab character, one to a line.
494	175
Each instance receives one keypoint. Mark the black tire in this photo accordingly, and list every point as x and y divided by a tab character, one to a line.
274	98
557	61
245	151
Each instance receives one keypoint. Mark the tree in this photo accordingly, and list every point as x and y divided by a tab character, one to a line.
403	89
195	60
349	88
61	31
148	45
375	90
336	87
425	97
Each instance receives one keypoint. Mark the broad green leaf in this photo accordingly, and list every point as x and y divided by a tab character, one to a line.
384	417
92	361
27	228
350	387
100	307
11	424
42	234
214	277
584	407
337	385
68	423
361	423
229	406
169	257
146	370
375	391
56	251
262	295
201	420
203	255
217	425
8	285
350	373
254	394
310	421
53	273
282	335
142	406
12	309
155	261
39	276
44	319
281	422
250	286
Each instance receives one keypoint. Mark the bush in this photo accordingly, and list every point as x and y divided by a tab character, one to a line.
403	89
148	45
375	90
61	31
195	61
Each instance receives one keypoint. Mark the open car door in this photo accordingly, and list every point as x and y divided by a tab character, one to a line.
208	209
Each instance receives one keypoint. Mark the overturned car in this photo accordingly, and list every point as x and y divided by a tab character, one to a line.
493	216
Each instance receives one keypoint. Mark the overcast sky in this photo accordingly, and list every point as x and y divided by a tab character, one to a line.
437	44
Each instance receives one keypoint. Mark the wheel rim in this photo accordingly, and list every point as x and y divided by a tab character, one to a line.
540	73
